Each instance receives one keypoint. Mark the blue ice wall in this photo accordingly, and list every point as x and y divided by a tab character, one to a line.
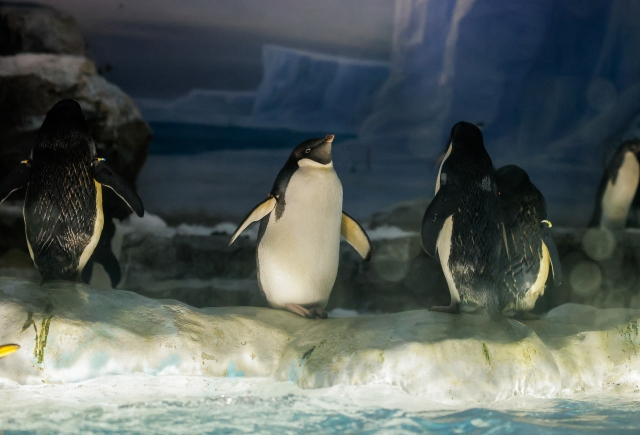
556	84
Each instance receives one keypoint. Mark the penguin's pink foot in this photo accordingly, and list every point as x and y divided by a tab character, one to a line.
454	308
313	312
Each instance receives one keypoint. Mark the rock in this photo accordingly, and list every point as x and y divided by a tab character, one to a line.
32	28
157	258
32	83
71	332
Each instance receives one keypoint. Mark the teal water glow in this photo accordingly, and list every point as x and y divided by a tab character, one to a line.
144	404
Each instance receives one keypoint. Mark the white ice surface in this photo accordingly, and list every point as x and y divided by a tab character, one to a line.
73	333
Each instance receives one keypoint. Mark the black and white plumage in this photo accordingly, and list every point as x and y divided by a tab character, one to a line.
299	237
618	189
63	202
530	250
463	223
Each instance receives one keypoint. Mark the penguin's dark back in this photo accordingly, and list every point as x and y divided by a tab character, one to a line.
524	209
60	203
477	224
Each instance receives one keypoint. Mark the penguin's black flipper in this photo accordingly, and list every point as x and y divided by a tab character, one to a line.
441	207
258	212
17	179
356	236
554	257
108	261
104	256
106	176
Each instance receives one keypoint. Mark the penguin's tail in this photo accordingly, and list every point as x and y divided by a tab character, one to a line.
494	307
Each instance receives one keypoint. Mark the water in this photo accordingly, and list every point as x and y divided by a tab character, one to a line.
186	405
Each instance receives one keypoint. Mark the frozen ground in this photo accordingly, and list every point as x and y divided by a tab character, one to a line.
110	361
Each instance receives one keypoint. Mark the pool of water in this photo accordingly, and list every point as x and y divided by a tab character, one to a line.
188	405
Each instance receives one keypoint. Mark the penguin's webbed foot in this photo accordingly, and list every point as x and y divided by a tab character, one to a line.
454	308
314	312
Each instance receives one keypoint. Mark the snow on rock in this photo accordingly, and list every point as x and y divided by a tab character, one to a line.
71	332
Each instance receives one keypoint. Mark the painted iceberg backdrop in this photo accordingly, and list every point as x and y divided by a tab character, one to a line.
554	84
300	90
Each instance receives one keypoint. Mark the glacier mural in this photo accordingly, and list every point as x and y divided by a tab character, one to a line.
300	90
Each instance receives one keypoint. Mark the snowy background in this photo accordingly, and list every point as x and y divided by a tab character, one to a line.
555	84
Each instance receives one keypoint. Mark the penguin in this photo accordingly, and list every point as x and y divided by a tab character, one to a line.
63	203
8	349
301	222
463	223
618	188
529	249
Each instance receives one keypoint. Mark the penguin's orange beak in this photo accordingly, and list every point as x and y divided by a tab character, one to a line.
329	138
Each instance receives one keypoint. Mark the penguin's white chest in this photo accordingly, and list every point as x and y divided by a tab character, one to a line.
617	197
298	253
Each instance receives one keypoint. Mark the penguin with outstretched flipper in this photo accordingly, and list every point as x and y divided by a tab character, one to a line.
299	237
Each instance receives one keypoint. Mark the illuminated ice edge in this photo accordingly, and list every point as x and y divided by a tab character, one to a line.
72	332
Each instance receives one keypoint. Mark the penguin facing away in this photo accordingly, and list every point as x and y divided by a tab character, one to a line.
299	238
463	223
63	203
529	246
618	188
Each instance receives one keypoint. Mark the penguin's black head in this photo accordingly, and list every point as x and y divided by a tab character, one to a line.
317	150
512	179
518	193
467	136
63	126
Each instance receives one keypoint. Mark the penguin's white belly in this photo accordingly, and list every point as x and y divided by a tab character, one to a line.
298	253
444	250
617	197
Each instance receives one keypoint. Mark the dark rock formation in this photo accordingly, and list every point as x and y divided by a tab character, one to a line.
33	28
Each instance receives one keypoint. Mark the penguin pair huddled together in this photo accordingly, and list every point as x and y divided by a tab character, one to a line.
489	229
301	222
64	178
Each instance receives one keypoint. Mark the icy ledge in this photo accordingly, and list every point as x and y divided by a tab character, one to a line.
72	332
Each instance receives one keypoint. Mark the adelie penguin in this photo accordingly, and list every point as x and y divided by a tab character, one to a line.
618	188
63	203
463	223
530	250
299	237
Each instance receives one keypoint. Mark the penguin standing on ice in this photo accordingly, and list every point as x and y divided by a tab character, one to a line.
618	188
463	222
63	204
529	249
299	237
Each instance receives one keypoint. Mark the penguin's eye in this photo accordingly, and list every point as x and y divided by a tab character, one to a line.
307	151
